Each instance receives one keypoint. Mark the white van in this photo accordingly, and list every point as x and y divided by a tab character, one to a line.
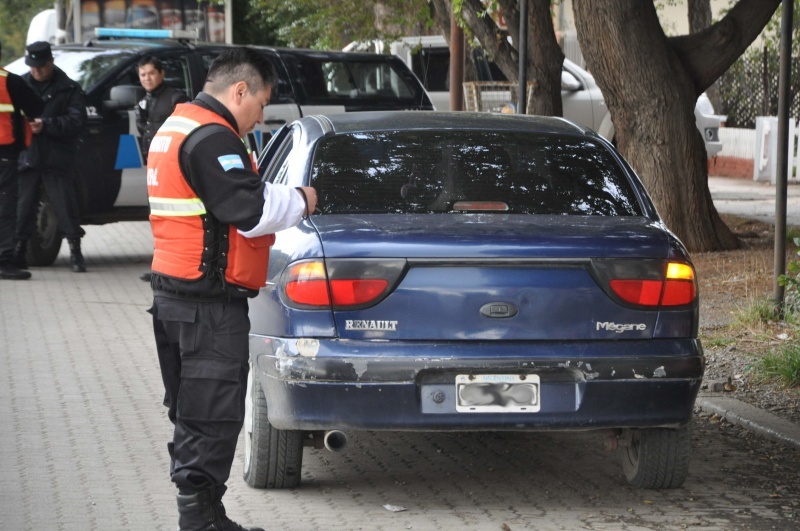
428	57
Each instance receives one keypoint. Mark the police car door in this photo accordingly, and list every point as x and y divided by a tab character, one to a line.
130	160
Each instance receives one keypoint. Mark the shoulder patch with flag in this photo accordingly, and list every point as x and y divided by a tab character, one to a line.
229	162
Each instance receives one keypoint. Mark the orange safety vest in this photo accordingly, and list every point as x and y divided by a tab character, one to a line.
7	111
177	214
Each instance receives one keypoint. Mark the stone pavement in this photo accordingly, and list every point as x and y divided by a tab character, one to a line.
83	438
756	200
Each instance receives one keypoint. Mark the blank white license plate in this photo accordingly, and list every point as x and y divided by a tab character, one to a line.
498	393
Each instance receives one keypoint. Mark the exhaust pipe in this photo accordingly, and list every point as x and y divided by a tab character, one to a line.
335	440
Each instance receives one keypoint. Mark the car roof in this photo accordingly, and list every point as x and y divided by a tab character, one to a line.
409	120
139	45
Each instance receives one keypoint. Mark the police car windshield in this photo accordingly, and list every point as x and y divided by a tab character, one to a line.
85	66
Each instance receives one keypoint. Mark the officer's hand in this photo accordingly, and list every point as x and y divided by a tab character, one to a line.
36	126
311	199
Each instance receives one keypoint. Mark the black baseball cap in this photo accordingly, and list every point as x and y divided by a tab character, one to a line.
38	53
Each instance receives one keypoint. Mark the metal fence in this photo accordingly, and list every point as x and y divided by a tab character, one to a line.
750	88
495	96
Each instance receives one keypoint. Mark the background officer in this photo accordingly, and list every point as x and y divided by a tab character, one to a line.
213	222
158	103
17	104
50	159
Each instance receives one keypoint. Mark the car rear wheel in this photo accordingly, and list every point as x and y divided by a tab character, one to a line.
656	458
45	242
272	458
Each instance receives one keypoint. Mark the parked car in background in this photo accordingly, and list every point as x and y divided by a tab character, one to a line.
469	272
111	182
582	100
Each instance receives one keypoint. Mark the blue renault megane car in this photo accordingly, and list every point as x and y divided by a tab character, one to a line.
468	272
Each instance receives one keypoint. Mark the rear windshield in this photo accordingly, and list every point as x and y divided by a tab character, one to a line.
337	82
443	171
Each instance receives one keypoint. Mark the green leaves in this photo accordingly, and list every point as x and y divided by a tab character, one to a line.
331	24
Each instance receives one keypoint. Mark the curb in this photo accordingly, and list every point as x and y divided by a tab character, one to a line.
757	420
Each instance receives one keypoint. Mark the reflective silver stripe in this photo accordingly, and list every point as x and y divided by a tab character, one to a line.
6	107
178	124
162	206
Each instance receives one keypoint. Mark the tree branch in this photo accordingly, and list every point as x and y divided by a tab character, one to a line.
492	41
708	54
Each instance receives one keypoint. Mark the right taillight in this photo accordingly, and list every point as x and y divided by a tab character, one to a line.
654	285
340	283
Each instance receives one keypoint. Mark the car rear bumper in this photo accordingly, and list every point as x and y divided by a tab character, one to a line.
377	385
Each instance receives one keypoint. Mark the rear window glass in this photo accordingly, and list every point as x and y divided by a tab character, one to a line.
339	82
431	171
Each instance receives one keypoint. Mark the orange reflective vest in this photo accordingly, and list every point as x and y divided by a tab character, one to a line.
7	111
178	216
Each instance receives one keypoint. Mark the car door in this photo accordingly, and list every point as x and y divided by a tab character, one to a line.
579	100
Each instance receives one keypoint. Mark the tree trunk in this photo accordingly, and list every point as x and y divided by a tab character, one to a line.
700	19
651	84
545	59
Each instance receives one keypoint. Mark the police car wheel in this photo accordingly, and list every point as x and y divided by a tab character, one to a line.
272	458
45	243
656	458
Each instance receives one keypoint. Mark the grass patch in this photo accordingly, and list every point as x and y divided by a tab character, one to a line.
717	342
755	316
793	236
782	366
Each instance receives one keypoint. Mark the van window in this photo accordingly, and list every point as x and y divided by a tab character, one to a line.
281	93
335	82
432	67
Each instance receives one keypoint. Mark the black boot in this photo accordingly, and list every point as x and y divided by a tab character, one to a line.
203	511
9	271
75	256
20	248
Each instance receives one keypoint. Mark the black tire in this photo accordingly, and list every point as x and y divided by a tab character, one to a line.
656	458
45	243
272	458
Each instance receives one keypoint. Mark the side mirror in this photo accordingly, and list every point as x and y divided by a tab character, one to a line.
569	82
124	97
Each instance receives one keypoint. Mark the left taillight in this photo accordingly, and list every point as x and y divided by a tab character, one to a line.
340	283
652	284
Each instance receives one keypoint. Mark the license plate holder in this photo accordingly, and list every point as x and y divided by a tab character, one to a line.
498	393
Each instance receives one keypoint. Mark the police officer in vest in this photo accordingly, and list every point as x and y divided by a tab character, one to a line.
213	221
18	103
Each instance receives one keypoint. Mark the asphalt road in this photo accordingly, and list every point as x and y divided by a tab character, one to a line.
83	440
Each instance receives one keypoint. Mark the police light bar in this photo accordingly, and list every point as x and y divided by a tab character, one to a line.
132	33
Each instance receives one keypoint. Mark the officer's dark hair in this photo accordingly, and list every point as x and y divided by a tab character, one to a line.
241	64
151	60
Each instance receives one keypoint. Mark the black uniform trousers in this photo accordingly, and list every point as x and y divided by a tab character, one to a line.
8	207
60	188
203	353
